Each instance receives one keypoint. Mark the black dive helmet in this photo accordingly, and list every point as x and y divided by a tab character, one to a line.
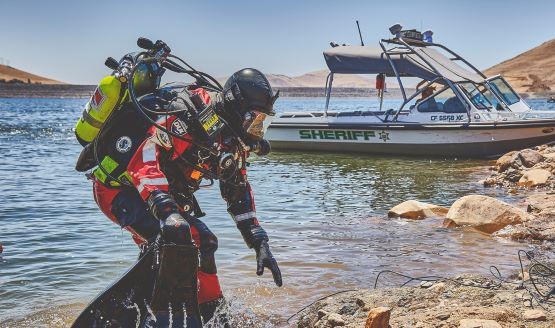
247	94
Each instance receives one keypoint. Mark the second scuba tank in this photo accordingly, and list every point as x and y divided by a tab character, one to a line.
103	102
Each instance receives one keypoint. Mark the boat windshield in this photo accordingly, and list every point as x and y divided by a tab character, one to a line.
504	90
480	96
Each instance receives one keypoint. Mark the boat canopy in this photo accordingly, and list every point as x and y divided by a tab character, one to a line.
424	62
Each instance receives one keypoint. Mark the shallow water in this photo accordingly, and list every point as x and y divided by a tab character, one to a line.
325	214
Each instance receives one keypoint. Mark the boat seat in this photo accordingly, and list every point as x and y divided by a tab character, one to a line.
453	105
429	105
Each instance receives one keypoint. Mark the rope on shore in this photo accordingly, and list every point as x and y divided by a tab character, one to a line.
542	278
320	299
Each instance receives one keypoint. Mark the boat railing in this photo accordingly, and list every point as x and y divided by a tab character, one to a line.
402	42
338	114
306	115
513	116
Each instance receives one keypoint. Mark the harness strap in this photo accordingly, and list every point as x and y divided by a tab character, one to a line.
91	120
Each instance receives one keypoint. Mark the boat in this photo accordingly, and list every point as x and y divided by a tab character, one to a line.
454	111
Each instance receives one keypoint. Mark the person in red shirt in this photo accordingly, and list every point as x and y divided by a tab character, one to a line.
169	163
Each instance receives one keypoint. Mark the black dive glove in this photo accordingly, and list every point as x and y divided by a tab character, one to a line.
265	259
256	237
174	227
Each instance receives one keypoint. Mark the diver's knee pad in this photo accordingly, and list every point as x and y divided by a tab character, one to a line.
176	230
208	240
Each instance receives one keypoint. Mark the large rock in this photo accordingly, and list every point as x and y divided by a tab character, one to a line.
534	177
478	323
335	320
530	157
412	209
484	214
511	175
534	315
541	203
378	318
506	161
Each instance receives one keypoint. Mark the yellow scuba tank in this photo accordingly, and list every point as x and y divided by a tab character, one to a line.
106	98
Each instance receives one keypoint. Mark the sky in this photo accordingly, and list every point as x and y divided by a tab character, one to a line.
69	40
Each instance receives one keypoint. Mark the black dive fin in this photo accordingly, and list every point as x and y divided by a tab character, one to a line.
177	284
123	303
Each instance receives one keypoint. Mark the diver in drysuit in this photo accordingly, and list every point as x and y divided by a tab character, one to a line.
148	173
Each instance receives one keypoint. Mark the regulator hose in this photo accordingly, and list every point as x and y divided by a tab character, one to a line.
142	110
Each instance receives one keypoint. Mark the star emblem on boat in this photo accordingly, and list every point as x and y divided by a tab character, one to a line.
384	136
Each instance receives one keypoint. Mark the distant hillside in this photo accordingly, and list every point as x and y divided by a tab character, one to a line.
8	73
531	71
317	79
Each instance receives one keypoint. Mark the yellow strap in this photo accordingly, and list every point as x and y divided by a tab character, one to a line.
109	165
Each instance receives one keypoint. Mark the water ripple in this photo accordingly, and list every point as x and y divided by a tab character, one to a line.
325	214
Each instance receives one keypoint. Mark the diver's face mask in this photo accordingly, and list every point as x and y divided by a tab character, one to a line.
253	124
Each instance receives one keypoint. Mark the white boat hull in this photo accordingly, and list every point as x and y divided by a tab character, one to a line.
456	140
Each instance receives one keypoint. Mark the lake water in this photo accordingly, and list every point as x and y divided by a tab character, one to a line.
325	214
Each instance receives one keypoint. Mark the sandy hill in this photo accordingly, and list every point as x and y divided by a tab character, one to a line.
8	73
531	71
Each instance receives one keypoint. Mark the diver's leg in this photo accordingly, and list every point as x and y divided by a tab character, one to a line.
125	208
132	214
210	294
104	197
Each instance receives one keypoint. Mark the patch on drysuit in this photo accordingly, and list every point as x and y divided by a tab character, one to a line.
162	139
179	127
123	144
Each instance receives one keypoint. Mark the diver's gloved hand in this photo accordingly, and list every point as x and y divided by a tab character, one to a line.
176	230
265	259
174	227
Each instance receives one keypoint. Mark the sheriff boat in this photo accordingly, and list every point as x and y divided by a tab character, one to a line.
455	110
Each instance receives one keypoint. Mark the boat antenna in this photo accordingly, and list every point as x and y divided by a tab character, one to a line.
360	34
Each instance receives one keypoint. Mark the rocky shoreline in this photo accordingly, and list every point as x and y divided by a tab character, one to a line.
464	302
30	90
37	90
469	301
530	173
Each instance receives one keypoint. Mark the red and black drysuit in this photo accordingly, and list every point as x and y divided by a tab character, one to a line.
167	167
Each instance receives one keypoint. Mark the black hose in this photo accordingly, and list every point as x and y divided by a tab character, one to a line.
203	75
142	110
